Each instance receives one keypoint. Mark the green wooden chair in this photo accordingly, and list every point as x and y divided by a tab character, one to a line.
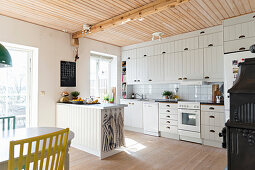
8	118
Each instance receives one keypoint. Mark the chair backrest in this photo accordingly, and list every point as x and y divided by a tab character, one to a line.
8	118
48	149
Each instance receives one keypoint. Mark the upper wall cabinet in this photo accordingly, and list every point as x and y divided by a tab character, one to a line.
142	69
193	64
173	66
145	51
129	54
164	48
213	64
131	71
210	40
155	68
186	44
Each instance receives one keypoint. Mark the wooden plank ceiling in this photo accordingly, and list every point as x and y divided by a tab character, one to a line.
70	15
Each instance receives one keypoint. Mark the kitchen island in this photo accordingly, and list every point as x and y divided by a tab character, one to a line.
98	128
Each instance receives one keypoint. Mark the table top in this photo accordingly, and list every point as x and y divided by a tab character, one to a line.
23	133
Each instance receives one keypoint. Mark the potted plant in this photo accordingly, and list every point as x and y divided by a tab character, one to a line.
75	94
106	98
167	94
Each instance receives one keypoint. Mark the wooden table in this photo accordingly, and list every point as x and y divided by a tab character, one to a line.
17	134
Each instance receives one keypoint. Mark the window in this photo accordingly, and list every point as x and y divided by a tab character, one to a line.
14	86
99	76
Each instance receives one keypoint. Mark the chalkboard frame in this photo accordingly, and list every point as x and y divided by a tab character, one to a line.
67	80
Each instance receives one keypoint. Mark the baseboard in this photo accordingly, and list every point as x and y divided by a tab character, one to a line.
216	144
139	130
169	135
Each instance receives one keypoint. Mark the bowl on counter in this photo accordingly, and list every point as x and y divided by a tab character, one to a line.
77	102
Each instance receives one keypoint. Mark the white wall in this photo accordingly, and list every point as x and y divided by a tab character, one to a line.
83	64
53	46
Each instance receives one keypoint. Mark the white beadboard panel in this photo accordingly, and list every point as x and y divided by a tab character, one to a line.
86	125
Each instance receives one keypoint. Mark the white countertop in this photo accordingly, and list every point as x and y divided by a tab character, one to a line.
96	106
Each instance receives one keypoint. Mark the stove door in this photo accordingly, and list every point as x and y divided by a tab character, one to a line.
189	120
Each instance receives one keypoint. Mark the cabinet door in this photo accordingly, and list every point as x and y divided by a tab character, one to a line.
167	47
173	66
210	40
238	45
127	113
150	115
193	64
142	70
155	68
214	64
137	114
131	71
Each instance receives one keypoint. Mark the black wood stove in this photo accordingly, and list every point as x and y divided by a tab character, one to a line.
239	133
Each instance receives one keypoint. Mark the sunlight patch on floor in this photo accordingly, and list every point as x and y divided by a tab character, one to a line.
132	146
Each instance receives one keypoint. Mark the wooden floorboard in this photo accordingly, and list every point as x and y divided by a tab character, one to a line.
145	152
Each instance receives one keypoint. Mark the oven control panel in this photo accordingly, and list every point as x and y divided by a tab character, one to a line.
189	105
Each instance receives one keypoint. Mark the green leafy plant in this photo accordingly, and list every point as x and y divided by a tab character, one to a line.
106	97
75	94
167	93
111	100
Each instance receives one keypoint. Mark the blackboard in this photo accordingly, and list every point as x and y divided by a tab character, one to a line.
68	74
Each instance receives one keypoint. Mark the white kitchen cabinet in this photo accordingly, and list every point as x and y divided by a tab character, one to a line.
212	122
193	64
131	71
238	45
239	31
186	44
211	40
172	66
155	68
133	114
151	118
214	64
142	70
164	48
145	51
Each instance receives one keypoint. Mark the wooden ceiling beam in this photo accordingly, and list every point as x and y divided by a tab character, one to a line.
141	12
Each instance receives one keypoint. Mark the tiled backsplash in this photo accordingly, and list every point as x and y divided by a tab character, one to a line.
185	92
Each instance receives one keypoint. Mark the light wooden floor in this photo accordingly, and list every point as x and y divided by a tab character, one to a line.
145	152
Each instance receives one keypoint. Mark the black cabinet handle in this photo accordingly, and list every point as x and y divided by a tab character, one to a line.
168	105
144	55
129	58
242	48
150	79
211	117
210	45
242	36
138	80
168	127
179	78
186	49
167	121
134	80
212	131
163	52
253	16
206	77
202	32
168	116
168	111
211	108
185	78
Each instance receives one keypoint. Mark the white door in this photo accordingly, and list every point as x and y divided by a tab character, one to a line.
155	68
214	64
131	71
173	66
142	69
193	64
150	118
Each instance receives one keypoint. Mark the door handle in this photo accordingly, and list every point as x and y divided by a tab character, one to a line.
179	78
211	108
163	52
167	121
168	116
150	79
168	127
207	77
242	48
168	105
202	32
168	111
210	45
186	49
242	36
211	117
185	78
212	131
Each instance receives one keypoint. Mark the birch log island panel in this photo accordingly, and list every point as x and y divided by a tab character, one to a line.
99	128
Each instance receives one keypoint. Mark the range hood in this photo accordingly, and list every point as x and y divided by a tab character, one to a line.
193	82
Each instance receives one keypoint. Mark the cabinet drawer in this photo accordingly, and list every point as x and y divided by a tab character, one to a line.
168	128
168	122
168	111
238	45
212	108
168	105
211	133
168	116
213	118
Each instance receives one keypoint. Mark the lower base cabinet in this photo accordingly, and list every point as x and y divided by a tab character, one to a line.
212	122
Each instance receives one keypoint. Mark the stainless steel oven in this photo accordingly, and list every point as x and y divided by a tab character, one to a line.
189	121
